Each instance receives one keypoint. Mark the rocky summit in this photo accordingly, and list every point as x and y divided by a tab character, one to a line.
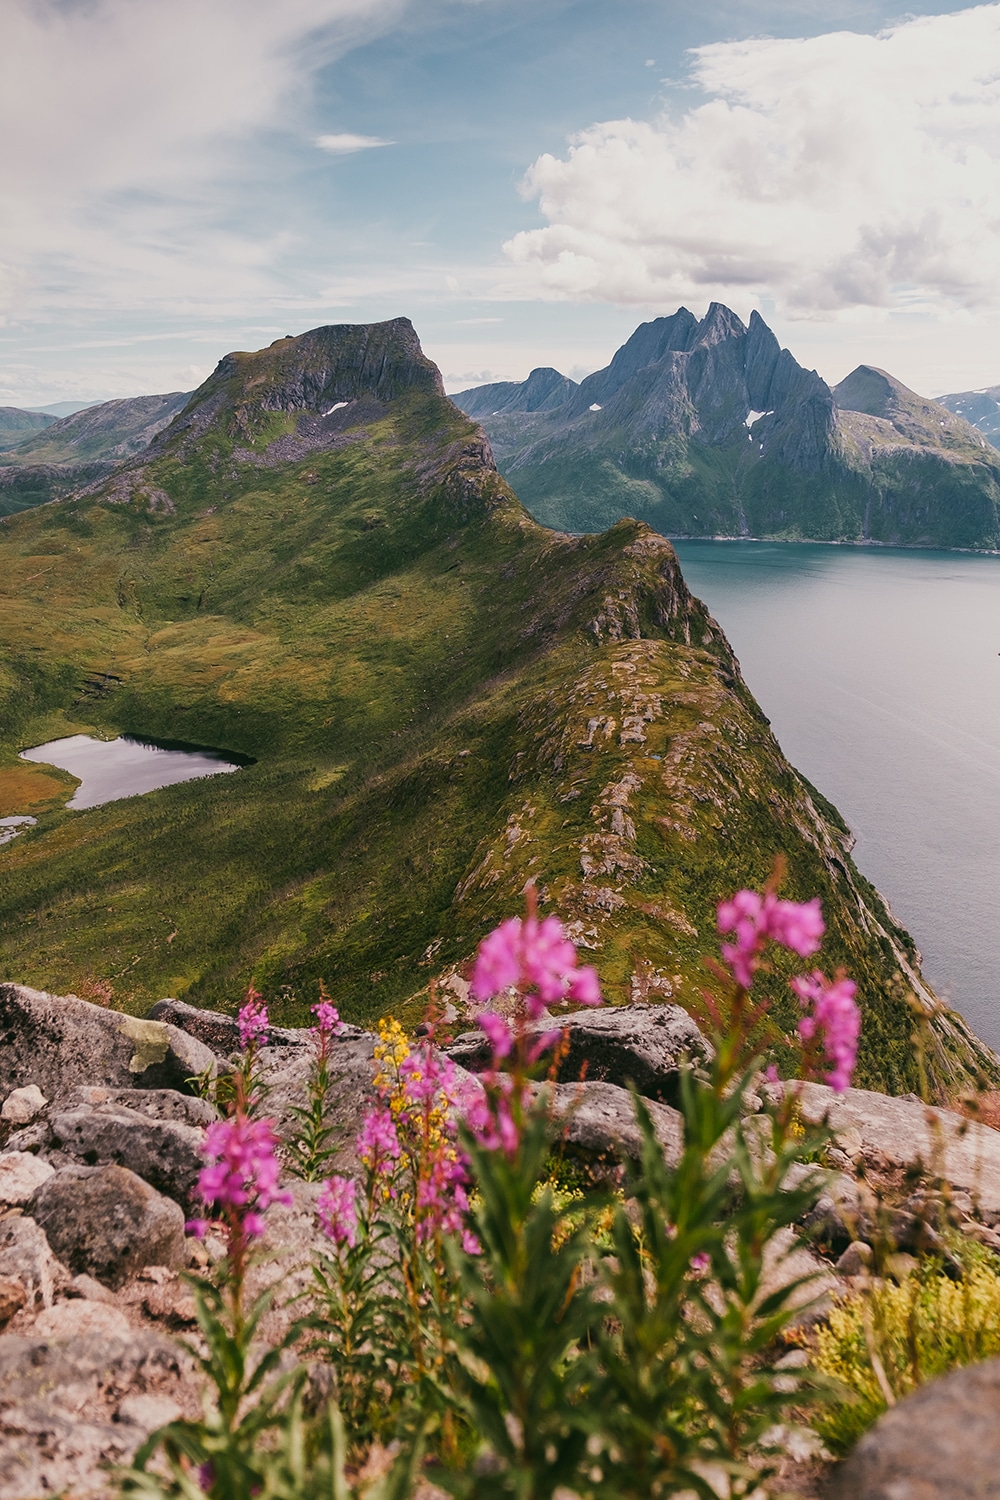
317	567
710	428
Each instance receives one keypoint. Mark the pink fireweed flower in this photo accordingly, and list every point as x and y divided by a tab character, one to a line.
489	1116
835	1020
441	1197
253	1021
242	1171
536	957
328	1022
757	919
498	1034
337	1210
428	1076
378	1143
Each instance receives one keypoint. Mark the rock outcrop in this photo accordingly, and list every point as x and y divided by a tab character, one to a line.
56	1042
643	1045
941	1443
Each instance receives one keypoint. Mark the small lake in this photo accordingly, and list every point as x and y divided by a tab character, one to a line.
880	672
125	767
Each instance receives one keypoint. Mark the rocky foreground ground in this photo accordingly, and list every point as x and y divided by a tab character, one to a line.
100	1148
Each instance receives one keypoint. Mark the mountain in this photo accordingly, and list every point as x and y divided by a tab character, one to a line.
980	408
16	425
317	565
709	428
64	455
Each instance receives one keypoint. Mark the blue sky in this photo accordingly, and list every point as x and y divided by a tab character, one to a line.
553	173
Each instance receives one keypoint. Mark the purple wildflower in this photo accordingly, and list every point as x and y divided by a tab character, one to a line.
757	919
378	1143
253	1020
537	958
328	1022
498	1034
337	1210
242	1172
835	1021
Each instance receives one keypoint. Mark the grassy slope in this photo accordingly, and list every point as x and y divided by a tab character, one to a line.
415	666
877	486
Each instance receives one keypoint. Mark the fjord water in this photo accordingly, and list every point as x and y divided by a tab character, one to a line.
880	673
109	769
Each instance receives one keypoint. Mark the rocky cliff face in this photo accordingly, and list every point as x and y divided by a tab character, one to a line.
710	428
318	565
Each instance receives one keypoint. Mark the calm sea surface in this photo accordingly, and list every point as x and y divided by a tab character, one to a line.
880	673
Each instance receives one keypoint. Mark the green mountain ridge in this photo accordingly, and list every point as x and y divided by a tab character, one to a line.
317	564
16	425
710	429
60	456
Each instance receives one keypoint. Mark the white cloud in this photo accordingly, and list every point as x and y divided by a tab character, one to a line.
343	145
131	131
840	172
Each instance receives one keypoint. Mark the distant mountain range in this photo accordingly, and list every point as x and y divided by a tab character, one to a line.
44	458
981	408
709	428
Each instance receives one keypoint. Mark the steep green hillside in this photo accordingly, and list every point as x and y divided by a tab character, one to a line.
710	429
16	425
318	566
54	458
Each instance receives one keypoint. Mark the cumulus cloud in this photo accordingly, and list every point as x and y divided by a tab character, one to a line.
132	129
345	144
838	172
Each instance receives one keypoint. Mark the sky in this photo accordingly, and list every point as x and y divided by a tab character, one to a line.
527	180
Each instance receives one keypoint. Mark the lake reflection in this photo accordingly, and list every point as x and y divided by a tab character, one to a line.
109	769
879	670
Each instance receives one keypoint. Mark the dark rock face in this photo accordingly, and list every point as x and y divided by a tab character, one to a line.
108	1223
638	1044
942	1443
58	1042
166	1153
343	362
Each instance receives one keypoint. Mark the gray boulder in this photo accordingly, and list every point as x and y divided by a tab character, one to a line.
69	1408
26	1259
941	1443
58	1041
107	1223
598	1123
222	1034
902	1132
640	1044
157	1104
167	1153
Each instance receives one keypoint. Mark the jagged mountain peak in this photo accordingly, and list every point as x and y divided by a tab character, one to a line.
719	323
